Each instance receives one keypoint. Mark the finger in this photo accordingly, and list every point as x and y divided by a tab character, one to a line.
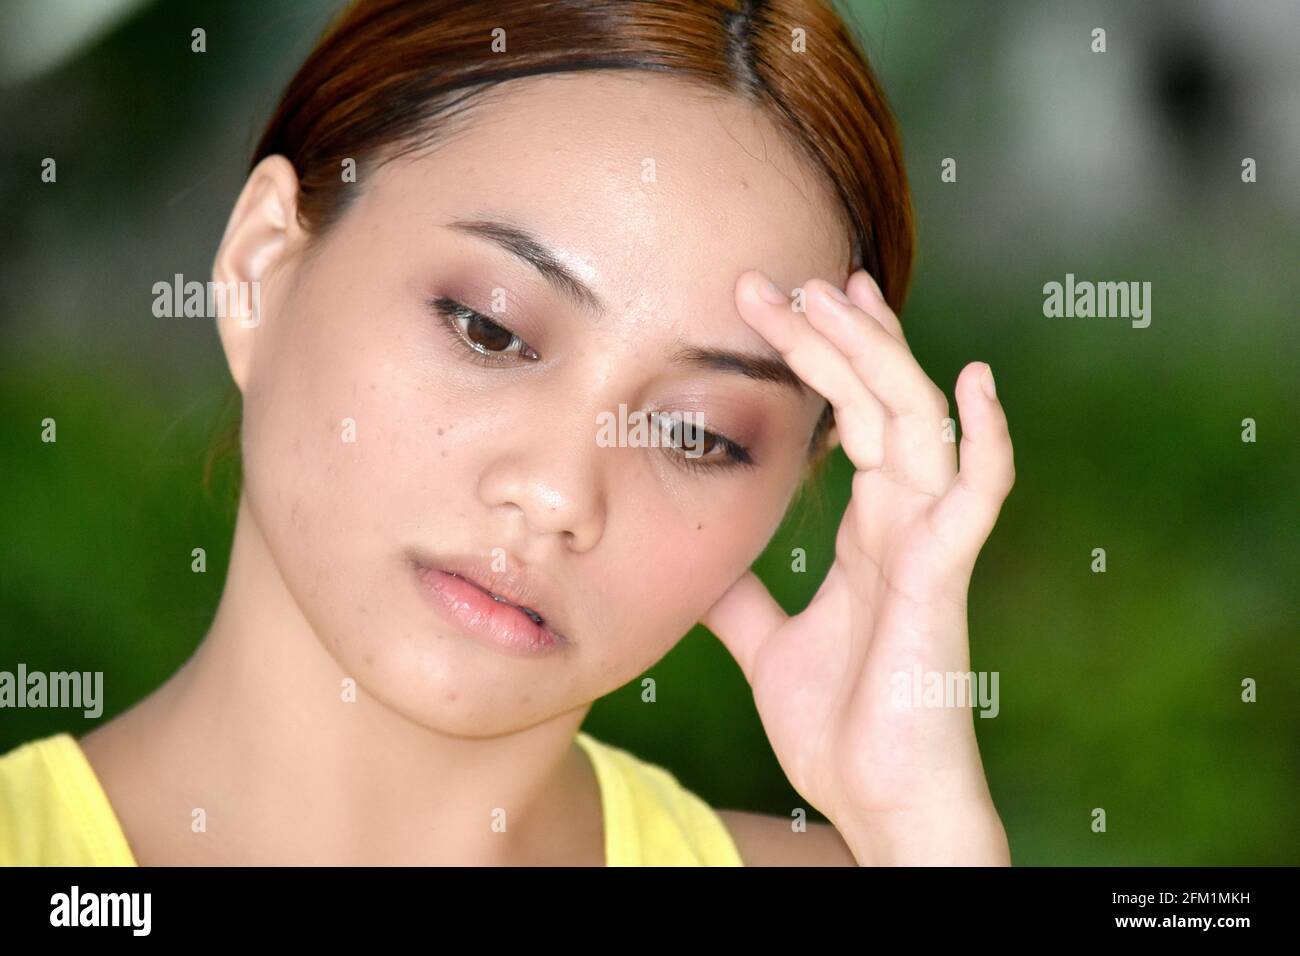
864	292
859	419
881	358
963	518
915	450
743	618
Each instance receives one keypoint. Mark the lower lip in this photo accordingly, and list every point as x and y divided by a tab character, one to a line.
502	625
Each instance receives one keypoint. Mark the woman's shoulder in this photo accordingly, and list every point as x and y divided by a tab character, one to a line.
768	840
53	810
651	819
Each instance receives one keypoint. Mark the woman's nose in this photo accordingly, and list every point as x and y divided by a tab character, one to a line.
553	474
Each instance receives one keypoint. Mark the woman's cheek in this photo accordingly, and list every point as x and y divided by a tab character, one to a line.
691	558
314	439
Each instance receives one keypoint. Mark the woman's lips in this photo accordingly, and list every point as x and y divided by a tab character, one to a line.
495	620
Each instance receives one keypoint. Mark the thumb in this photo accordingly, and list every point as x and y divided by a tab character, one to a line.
743	618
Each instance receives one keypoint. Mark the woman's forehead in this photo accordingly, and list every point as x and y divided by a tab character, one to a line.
631	172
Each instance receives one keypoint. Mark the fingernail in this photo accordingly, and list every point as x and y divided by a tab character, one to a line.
772	294
987	382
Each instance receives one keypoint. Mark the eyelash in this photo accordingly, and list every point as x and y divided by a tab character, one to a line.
450	311
736	455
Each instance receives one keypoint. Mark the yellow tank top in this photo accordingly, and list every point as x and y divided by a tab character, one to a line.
54	812
650	818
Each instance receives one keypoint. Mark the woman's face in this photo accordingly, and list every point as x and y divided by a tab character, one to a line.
378	444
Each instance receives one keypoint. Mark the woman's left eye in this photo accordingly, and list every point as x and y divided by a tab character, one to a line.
482	336
703	450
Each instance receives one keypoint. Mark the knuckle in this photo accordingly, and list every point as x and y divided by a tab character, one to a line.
938	401
1009	480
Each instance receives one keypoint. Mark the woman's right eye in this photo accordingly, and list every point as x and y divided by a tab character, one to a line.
485	338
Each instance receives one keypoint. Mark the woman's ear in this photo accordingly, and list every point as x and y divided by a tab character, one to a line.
263	227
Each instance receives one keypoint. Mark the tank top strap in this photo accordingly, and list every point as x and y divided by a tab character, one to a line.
53	808
650	819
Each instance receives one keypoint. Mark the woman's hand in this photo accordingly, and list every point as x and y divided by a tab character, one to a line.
901	781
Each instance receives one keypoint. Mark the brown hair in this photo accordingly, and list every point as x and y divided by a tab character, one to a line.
389	75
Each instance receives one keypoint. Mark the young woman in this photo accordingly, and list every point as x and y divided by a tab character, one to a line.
477	231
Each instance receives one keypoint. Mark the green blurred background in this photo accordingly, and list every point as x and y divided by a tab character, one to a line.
1118	690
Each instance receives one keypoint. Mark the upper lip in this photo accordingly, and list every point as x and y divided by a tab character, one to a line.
521	588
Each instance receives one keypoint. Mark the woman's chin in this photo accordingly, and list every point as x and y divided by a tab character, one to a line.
446	683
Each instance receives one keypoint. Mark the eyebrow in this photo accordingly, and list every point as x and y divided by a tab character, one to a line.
524	245
759	368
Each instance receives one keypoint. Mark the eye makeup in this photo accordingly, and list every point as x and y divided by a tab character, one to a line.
479	334
687	436
479	337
